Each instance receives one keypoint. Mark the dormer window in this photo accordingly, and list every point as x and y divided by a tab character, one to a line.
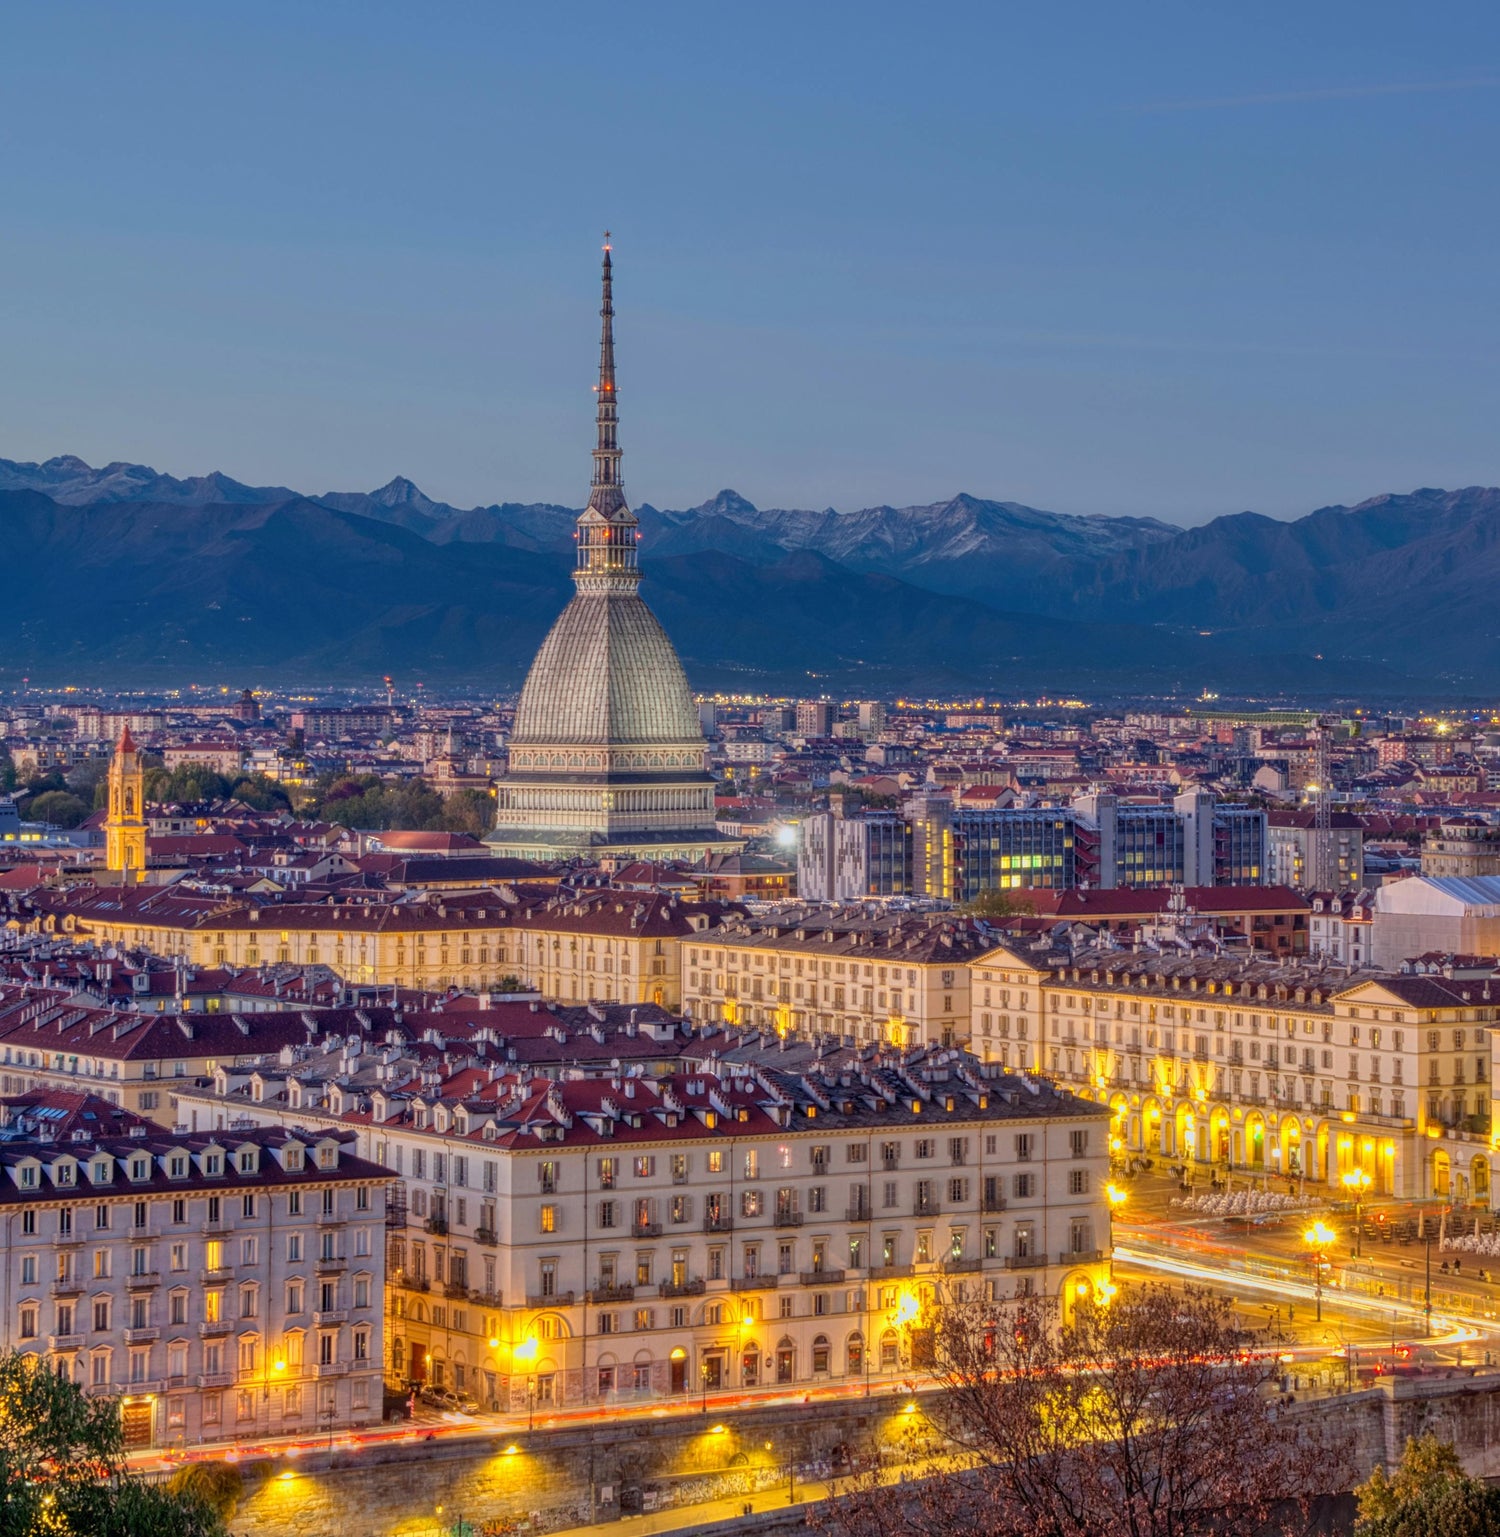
212	1164
28	1176
64	1174
293	1159
247	1161
177	1166
140	1168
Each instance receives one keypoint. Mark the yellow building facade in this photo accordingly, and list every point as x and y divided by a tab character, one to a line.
1371	1079
125	826
626	951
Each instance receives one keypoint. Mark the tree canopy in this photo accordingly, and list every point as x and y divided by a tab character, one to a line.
59	807
996	903
1429	1495
368	802
190	783
62	1467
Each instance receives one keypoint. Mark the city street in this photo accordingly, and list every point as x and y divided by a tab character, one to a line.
1365	1314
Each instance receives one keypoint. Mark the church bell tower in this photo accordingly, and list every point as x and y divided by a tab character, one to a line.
125	826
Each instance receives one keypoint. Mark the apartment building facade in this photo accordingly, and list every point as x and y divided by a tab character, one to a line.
611	945
1303	1072
726	1227
220	1285
53	1039
865	977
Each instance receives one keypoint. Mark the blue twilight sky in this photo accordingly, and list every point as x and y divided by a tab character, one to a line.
1170	259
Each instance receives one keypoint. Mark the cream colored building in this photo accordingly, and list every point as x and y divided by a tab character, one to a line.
50	1039
902	979
1297	1071
223	1286
727	1227
614	946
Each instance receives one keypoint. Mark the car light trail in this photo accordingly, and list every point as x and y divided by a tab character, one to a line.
1447	1330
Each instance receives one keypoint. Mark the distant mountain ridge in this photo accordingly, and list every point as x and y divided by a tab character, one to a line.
1392	594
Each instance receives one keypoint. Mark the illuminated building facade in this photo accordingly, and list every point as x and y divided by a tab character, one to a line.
931	849
125	825
1257	1065
727	1226
896	978
224	1285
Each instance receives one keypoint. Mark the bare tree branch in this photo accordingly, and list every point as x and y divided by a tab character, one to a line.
1143	1417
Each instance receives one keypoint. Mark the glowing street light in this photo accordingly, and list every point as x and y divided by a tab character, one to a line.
526	1353
1318	1237
1356	1182
906	1309
1116	1196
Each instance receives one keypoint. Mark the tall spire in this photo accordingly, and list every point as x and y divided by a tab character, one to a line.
607	529
608	493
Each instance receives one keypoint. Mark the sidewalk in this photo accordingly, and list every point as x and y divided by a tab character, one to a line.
693	1518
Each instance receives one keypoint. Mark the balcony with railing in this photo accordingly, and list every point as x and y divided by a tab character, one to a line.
692	1287
787	1216
1080	1257
139	1280
929	1206
821	1277
68	1286
961	1264
753	1283
615	1293
487	1236
718	1222
639	1229
1025	1261
437	1226
550	1300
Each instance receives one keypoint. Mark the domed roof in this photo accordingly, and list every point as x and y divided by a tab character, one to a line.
606	673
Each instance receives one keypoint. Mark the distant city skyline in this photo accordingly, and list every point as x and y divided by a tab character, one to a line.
1173	265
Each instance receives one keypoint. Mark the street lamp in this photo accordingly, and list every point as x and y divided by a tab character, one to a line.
1317	1238
1356	1182
1116	1196
526	1353
277	1365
